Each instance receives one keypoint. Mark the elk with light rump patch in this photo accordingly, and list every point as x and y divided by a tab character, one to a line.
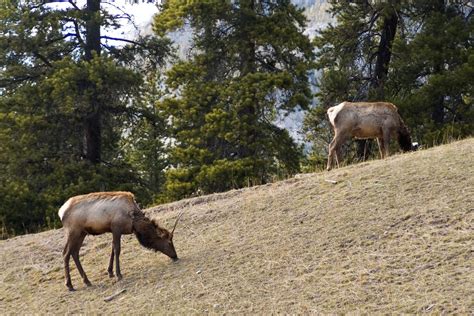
364	120
114	212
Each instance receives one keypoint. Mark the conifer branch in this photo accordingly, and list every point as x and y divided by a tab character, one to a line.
122	40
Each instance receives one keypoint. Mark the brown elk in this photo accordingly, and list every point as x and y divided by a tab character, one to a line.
114	212
363	120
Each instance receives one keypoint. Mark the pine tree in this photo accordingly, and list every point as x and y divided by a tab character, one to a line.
433	75
250	62
144	145
353	58
415	54
65	106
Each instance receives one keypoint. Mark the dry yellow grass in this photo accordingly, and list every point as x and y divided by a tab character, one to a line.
392	236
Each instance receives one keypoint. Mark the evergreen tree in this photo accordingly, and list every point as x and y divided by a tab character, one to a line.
432	77
403	52
353	58
65	105
250	62
144	145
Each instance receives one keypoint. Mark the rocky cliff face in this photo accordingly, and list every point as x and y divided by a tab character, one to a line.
318	18
316	12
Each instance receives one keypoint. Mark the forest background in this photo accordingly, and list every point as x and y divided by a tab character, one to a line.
83	111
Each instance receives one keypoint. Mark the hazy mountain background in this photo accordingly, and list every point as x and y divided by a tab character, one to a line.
315	11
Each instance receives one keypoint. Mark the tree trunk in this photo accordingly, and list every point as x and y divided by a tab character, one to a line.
92	137
92	122
92	29
248	66
384	54
437	113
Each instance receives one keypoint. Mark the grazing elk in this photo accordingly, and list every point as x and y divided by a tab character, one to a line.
114	212
362	120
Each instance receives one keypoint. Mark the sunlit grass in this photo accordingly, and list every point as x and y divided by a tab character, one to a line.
391	236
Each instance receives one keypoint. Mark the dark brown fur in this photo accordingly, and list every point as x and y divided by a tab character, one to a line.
149	233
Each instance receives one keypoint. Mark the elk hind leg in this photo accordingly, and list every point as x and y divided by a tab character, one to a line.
110	269
66	258
75	255
335	150
330	154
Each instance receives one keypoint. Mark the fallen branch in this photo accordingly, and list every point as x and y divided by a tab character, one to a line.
331	181
111	297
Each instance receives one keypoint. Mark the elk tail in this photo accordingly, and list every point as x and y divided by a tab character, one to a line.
404	139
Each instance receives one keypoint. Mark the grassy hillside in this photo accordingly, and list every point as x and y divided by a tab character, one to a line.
390	236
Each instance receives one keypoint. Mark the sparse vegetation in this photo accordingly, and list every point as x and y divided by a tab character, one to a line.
391	236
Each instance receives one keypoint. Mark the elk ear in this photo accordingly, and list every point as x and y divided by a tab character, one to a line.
155	223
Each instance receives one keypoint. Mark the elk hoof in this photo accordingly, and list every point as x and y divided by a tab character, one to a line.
111	274
119	277
88	283
71	289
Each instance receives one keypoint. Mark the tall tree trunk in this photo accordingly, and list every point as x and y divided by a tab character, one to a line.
248	66
384	54
437	113
92	137
92	122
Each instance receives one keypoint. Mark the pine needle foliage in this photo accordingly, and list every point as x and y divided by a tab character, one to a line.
250	61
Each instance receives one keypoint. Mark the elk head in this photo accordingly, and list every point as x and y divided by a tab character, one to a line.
164	240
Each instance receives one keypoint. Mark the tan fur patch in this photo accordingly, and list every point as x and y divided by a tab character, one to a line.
388	105
101	196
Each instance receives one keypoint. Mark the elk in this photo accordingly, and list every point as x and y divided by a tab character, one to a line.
364	120
113	212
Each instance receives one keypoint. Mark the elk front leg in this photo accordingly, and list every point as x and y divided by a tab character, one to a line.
116	244
67	273
110	270
380	144
386	144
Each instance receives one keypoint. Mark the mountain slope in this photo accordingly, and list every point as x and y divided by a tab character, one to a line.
390	236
